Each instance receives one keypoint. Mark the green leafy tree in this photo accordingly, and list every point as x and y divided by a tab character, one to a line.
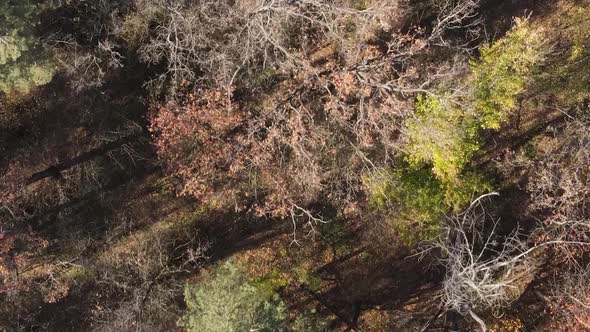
445	138
441	135
23	62
419	198
445	133
502	72
415	195
227	301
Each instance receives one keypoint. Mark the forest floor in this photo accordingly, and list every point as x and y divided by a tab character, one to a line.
353	269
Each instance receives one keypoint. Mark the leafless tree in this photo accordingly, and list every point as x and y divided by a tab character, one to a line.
452	15
569	299
559	183
150	273
483	269
93	51
224	38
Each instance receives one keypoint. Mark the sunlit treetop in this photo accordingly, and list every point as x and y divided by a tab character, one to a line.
24	64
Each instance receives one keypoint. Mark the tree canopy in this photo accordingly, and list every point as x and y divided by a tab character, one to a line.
24	63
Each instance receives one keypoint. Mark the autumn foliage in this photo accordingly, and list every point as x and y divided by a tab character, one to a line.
200	141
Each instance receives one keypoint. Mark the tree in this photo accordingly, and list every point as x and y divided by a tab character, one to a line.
200	140
415	196
452	15
445	129
222	40
228	302
23	62
440	134
484	271
502	72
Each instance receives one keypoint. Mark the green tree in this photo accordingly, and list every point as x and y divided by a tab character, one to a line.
443	136
419	199
227	301
24	63
502	72
445	133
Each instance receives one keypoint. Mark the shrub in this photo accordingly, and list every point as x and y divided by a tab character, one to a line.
310	322
559	182
227	301
568	303
135	25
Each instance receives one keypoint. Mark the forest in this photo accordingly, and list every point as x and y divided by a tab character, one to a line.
295	165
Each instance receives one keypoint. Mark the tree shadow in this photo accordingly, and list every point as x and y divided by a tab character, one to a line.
386	284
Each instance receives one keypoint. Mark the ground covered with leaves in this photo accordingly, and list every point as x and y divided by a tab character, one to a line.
294	165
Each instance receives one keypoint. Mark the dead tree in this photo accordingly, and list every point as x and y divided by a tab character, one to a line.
453	15
483	269
220	40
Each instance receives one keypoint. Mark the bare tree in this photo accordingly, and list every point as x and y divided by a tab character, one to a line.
94	51
559	183
569	301
221	39
486	271
149	268
453	15
483	269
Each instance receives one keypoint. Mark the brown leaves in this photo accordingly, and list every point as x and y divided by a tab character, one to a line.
300	144
17	254
199	141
